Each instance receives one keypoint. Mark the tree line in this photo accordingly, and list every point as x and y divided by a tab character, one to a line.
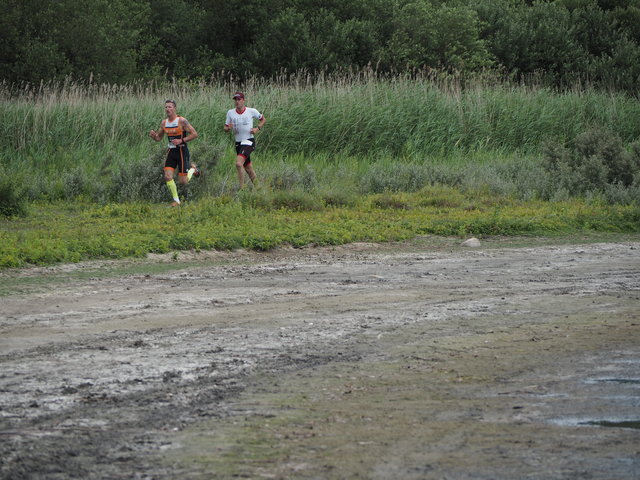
119	41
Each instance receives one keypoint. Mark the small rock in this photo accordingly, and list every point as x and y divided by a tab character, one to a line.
473	242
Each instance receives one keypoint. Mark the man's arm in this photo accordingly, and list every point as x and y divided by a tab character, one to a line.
157	135
261	123
228	124
191	132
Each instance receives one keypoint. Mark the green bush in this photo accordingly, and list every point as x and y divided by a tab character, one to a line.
336	197
142	178
391	201
595	163
295	200
287	177
394	177
603	152
12	199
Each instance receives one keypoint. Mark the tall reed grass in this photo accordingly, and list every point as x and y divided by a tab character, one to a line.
355	132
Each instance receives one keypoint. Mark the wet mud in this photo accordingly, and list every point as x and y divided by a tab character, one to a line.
414	361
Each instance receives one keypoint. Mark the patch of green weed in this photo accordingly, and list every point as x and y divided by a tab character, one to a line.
64	232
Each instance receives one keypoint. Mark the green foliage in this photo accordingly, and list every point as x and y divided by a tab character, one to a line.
436	36
294	200
140	180
71	232
528	39
81	142
175	36
12	200
337	197
565	41
287	41
557	42
387	200
394	177
96	39
441	197
596	162
284	176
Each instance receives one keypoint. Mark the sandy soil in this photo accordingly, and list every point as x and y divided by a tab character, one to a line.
415	361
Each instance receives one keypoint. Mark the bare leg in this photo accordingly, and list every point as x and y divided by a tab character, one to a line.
240	167
252	174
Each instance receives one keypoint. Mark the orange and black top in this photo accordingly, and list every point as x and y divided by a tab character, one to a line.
174	130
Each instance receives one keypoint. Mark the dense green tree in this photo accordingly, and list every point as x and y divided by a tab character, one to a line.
30	48
627	18
49	40
177	33
231	29
298	35
354	42
535	39
593	31
122	40
287	43
619	68
436	36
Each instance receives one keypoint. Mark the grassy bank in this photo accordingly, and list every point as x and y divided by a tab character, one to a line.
70	232
360	133
347	159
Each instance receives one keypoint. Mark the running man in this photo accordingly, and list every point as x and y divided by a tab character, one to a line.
240	120
179	131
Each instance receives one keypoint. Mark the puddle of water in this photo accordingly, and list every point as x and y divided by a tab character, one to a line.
628	381
608	423
592	422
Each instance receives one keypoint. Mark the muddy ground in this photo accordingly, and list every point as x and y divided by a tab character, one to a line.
425	360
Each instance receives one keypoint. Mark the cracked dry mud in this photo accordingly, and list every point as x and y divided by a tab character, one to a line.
413	361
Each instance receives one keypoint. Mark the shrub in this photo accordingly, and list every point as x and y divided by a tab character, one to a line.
335	197
440	197
394	177
12	200
141	180
603	152
288	177
391	201
296	200
595	163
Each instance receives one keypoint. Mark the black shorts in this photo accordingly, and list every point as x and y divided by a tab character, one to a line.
178	159
245	150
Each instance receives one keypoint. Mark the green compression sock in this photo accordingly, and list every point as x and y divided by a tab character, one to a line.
171	185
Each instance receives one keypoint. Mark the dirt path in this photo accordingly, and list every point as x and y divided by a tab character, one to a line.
412	362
